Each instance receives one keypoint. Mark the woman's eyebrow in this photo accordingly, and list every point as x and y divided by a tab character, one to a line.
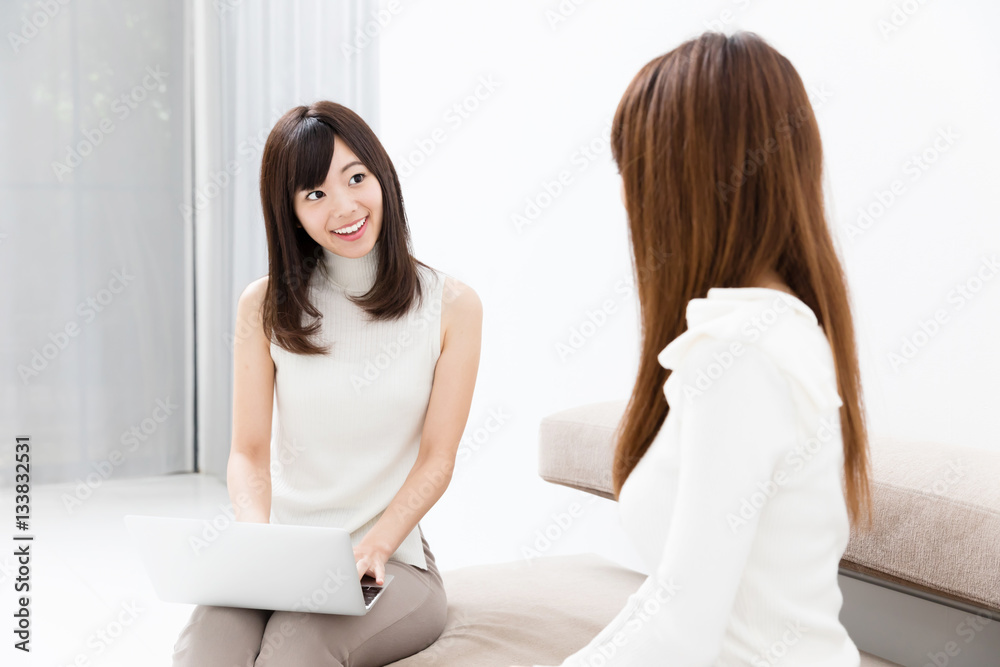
345	168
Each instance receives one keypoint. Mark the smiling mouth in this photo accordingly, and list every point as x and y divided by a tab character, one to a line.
347	230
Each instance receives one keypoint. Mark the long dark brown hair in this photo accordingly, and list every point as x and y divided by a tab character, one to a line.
721	161
297	157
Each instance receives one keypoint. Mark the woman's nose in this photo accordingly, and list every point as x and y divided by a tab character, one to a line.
344	209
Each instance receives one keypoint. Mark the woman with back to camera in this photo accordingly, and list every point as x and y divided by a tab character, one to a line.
372	356
741	460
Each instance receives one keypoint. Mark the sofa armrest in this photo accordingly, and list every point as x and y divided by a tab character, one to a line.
576	447
936	529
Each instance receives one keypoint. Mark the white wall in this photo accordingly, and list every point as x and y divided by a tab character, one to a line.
886	97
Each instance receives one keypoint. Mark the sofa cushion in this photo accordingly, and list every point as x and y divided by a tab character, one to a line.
526	612
531	612
936	507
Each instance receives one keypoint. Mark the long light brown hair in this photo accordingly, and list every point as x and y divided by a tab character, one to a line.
297	157
721	161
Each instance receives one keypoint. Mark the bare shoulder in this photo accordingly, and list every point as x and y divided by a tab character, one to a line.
248	307
459	301
461	308
254	293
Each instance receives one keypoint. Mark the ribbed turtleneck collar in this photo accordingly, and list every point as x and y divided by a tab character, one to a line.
355	275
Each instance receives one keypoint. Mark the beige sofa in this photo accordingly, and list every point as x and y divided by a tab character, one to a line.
935	508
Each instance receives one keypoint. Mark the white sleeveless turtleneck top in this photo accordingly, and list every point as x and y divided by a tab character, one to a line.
349	422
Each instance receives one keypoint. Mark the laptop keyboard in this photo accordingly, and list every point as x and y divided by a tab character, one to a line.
370	592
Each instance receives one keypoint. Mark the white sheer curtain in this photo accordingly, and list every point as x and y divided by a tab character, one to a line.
95	263
254	60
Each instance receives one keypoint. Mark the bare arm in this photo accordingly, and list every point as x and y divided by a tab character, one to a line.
248	475
447	414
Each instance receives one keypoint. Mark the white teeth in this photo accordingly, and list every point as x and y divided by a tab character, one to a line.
352	228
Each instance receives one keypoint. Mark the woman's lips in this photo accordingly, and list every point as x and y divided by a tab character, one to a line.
353	236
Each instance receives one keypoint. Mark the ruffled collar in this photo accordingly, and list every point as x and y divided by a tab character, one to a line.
777	322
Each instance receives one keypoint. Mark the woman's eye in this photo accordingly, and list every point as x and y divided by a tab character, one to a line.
310	195
362	176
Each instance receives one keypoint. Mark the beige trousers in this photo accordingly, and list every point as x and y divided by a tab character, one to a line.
408	618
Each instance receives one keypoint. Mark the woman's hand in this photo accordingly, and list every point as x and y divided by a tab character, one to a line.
371	561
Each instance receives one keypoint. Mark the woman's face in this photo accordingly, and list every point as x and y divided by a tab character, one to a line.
350	195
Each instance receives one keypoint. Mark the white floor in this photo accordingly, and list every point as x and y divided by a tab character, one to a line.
91	602
93	606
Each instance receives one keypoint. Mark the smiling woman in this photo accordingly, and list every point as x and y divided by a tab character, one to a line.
324	169
369	457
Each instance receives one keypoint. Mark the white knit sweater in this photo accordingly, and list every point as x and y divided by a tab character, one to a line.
737	507
349	422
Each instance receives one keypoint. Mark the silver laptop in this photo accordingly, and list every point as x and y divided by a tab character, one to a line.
253	565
